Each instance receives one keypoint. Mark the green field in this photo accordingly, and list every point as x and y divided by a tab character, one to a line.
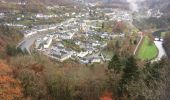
147	51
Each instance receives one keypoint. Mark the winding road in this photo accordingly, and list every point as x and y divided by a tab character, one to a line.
159	45
162	53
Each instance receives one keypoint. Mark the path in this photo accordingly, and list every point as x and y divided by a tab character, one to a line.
141	38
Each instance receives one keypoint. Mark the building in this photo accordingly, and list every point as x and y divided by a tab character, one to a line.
83	60
2	15
60	53
38	43
48	41
61	56
83	54
95	60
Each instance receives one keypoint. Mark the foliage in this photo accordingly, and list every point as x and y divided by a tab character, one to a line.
115	64
151	23
119	27
10	88
11	50
166	44
33	86
67	81
134	81
8	38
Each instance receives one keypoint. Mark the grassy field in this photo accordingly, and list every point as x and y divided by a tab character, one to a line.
147	51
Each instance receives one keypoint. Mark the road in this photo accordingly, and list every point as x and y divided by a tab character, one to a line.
161	50
159	45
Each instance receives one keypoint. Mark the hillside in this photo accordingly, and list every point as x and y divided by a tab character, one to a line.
24	6
8	36
30	5
163	5
10	88
46	2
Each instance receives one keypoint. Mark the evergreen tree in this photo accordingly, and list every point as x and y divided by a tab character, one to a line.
115	64
130	70
130	73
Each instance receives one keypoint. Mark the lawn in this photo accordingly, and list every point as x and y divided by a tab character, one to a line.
147	51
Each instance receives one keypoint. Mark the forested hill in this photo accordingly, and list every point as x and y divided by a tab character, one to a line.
46	2
163	5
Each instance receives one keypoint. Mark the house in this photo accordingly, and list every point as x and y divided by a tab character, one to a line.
18	19
48	41
83	54
77	42
61	56
104	35
90	50
73	13
67	35
38	43
95	44
84	60
95	60
60	53
45	16
2	15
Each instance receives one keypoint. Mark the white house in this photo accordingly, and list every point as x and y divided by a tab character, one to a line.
60	54
2	15
84	61
61	57
95	60
48	42
83	54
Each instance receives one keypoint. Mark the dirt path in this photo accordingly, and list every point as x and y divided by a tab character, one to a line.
136	49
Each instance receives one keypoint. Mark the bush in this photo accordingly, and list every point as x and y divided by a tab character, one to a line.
166	44
32	84
11	50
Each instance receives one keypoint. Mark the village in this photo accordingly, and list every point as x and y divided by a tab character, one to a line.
77	38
